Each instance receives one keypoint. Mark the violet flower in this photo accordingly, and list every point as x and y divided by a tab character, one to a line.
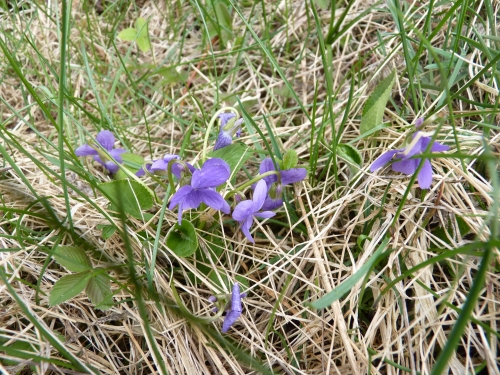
225	137
289	176
161	166
405	164
106	140
245	211
202	188
236	309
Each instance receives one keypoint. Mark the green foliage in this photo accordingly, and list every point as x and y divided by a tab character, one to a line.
99	290
290	159
235	155
348	284
373	111
139	34
68	287
72	258
182	239
129	195
95	281
351	155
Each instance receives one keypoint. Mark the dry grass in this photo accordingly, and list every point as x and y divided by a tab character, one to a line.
408	325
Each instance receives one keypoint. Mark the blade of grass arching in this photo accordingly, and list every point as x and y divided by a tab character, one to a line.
350	282
355	21
138	289
408	53
276	305
463	318
494	74
458	22
313	150
458	310
45	331
271	58
469	249
66	9
326	57
250	120
212	53
274	142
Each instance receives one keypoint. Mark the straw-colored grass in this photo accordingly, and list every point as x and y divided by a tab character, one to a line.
408	326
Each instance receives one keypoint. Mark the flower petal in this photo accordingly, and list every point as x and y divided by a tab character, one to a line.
179	196
259	195
85	150
407	166
111	166
213	173
213	199
116	154
438	147
236	298
230	319
159	165
293	175
223	140
267	165
245	228
418	147
425	175
141	171
383	160
106	139
271	204
265	214
243	210
225	117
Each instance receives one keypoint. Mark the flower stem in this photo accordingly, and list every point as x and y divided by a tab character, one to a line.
252	181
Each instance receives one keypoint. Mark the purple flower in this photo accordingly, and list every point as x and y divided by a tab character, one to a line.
235	311
245	211
405	164
289	176
161	165
202	188
106	140
225	137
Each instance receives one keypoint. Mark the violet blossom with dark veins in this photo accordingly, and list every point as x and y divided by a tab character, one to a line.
403	162
202	188
106	140
225	137
246	210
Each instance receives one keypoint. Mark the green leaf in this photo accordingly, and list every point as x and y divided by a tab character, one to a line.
182	239
323	4
128	34
144	44
107	230
290	159
99	291
348	284
141	26
68	287
133	196
235	155
132	160
72	258
225	21
373	111
351	155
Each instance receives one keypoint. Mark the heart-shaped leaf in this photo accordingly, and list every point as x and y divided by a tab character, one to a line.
182	239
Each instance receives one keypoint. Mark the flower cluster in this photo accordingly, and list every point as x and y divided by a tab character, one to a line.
197	186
